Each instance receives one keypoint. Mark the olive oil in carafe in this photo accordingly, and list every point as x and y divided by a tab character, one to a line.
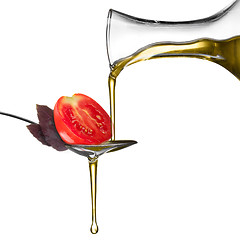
223	52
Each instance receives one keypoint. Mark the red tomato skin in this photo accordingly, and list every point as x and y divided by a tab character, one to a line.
85	109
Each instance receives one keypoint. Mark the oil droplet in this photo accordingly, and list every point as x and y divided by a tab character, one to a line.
94	228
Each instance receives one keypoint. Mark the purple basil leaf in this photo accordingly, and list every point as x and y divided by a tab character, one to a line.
36	131
46	121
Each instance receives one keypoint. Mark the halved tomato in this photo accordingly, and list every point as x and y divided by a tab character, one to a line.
81	120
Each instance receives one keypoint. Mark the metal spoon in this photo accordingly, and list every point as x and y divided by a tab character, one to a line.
92	152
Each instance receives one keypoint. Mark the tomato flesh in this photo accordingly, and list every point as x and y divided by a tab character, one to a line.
81	120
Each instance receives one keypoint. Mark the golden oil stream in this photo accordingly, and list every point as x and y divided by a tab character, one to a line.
223	52
93	179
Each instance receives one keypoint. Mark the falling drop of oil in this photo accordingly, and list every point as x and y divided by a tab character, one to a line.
94	228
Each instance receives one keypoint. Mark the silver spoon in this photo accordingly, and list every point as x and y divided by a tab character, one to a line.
92	152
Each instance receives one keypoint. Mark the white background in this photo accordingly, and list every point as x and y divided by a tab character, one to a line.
181	181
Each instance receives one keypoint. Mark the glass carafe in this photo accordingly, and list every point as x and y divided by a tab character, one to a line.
131	39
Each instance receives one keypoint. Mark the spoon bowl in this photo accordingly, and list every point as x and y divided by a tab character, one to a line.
92	152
